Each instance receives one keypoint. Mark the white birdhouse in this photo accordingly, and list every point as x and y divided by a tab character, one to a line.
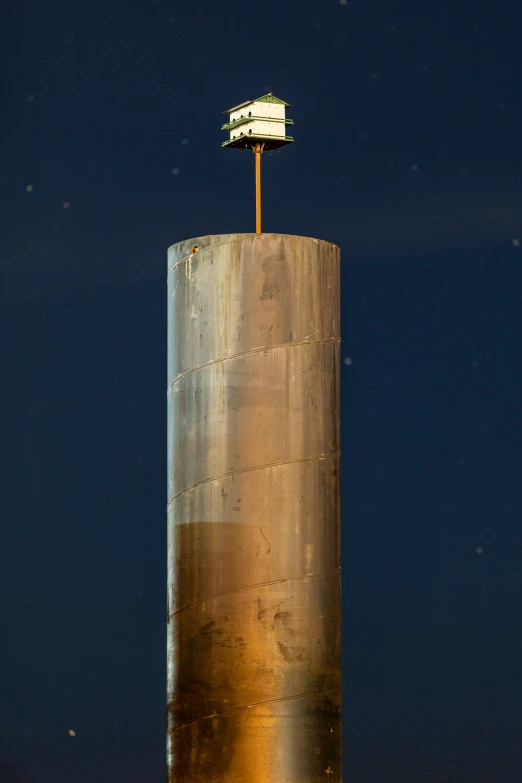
262	121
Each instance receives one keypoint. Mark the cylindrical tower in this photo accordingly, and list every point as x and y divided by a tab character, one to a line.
254	580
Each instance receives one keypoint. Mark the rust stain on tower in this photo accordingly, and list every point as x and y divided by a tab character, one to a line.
254	579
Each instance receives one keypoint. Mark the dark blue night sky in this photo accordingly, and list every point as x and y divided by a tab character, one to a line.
408	128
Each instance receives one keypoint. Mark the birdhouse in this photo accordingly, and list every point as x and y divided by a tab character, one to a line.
262	121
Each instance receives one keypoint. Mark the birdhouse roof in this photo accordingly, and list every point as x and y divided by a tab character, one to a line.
268	98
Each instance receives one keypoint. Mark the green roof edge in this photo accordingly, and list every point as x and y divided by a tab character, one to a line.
271	98
242	120
263	99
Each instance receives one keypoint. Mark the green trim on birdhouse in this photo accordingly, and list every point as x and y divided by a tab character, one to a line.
243	120
248	141
269	98
239	106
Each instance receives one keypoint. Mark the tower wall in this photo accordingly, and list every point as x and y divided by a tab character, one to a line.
254	579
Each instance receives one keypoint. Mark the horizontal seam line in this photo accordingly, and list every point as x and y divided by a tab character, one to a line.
255	587
261	349
248	470
256	704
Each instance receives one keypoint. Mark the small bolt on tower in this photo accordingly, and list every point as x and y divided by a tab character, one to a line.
260	126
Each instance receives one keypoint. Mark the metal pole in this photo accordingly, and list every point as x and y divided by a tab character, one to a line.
258	149
254	580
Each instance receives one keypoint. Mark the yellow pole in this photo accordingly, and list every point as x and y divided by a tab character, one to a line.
257	152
